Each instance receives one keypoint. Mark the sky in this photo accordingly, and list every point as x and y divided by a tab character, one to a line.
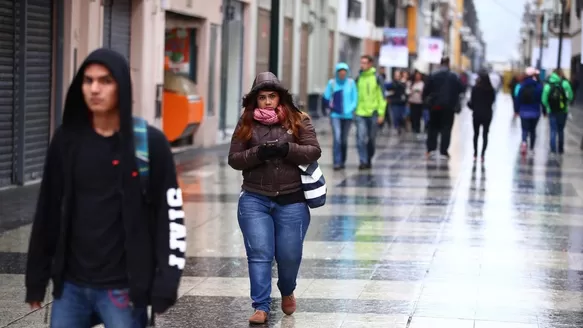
500	22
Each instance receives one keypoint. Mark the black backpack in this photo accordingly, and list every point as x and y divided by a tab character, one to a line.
557	97
528	95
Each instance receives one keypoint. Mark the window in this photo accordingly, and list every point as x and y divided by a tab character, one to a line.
354	9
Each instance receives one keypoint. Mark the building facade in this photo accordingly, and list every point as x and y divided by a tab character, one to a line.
46	42
223	45
357	31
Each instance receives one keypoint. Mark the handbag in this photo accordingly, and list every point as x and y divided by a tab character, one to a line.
313	185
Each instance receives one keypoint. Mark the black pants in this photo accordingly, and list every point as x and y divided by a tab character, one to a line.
440	122
485	124
416	115
529	129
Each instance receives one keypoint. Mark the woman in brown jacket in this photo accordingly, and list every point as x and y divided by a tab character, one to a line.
272	138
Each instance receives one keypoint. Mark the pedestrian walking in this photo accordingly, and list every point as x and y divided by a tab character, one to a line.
556	96
442	95
107	230
529	108
341	97
481	103
272	139
370	110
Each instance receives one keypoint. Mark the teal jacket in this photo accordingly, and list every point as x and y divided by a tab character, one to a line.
341	94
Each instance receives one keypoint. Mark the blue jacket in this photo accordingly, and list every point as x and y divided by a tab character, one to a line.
342	94
529	110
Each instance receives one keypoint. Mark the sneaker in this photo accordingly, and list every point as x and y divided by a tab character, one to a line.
288	304
364	166
523	148
338	167
258	318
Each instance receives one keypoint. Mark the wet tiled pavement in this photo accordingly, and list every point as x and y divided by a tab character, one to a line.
409	244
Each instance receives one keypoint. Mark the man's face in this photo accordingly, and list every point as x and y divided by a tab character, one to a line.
342	74
99	89
365	64
267	99
397	75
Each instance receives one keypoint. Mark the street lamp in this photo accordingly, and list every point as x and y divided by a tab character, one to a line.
561	31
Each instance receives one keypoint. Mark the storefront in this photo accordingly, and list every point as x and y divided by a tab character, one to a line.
26	65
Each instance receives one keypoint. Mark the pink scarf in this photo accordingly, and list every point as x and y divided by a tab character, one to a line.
267	116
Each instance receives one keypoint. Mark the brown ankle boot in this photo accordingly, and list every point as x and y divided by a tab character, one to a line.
288	304
258	317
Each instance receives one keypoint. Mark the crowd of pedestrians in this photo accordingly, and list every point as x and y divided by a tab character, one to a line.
370	100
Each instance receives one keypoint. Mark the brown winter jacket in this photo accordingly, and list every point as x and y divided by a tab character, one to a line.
279	176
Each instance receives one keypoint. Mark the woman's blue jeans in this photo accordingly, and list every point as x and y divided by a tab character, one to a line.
272	230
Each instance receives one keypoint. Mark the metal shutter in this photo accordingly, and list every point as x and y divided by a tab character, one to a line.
263	25
117	24
7	70
39	53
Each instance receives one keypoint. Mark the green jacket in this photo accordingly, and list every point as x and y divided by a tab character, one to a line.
371	95
554	78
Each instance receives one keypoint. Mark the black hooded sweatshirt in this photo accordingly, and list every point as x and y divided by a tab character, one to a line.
154	233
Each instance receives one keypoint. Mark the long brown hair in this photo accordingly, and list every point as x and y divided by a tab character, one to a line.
290	117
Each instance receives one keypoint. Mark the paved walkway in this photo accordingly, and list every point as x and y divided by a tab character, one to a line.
410	244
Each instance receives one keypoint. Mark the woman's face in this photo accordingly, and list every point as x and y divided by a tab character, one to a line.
267	99
418	76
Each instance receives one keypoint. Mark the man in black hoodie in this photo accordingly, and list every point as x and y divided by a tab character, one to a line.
110	246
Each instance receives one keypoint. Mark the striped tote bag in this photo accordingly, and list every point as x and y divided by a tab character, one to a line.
313	184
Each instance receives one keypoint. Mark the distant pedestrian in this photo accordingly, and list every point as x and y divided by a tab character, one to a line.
341	96
442	94
415	97
529	108
481	103
370	111
556	96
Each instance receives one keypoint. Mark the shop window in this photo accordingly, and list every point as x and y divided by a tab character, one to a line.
181	50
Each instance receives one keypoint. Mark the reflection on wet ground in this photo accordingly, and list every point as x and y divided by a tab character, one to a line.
409	244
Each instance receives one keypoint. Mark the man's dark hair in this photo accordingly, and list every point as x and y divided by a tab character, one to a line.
367	57
444	61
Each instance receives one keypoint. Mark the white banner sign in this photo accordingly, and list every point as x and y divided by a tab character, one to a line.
431	50
394	51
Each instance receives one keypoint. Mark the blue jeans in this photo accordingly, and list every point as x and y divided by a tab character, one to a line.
366	134
340	129
78	306
557	122
529	128
399	114
272	230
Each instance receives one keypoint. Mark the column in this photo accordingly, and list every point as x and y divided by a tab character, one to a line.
147	57
296	47
250	47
